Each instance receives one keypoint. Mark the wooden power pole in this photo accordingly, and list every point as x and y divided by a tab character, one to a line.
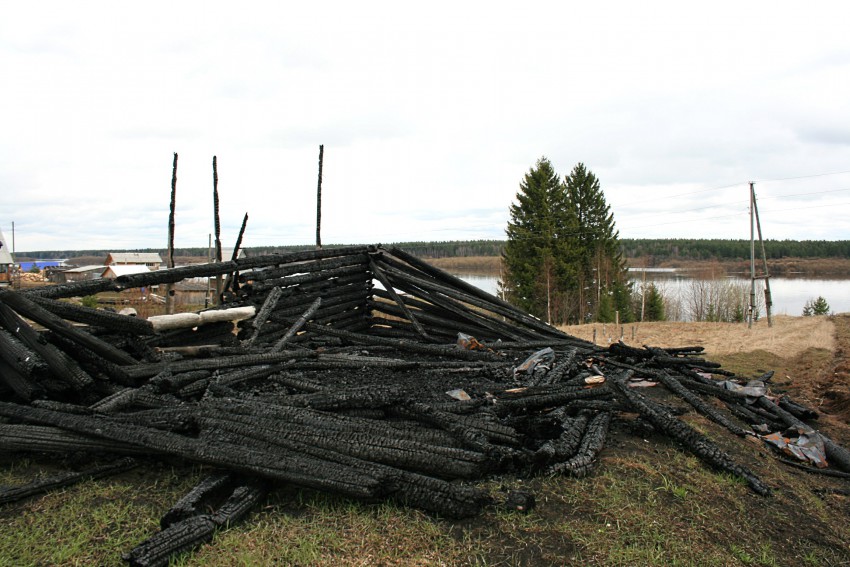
755	224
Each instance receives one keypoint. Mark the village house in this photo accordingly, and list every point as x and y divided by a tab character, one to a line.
150	259
7	263
117	270
78	274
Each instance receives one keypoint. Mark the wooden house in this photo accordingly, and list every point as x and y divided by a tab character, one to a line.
116	270
7	263
150	259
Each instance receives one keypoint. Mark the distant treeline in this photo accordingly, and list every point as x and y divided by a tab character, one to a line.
661	248
719	249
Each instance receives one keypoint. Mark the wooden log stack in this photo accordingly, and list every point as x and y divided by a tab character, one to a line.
343	371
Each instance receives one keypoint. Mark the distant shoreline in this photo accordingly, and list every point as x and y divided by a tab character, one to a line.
785	267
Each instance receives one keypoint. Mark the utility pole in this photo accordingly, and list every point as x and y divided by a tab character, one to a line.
768	299
752	306
755	223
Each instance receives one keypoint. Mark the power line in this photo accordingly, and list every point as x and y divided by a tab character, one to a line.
805	193
803	176
681	194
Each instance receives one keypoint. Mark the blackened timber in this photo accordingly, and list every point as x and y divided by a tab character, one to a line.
73	289
408	454
263	314
463	314
498	305
291	467
97	317
295	306
675	386
565	446
232	278
436	325
691	439
152	369
344	273
376	271
219	333
174	275
303	293
202	495
306	267
192	531
26	438
327	421
446	277
541	329
587	455
22	385
297	325
401	344
19	357
31	310
302	256
90	361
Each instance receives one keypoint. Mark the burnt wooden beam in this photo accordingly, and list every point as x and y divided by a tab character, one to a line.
379	275
32	310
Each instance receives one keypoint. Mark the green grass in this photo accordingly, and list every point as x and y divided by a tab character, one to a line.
648	503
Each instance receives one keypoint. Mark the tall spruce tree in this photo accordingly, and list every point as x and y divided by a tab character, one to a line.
532	254
600	268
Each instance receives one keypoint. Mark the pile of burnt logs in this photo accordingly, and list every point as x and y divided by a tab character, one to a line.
360	371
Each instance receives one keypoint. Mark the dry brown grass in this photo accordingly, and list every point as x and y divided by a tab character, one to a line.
788	337
479	265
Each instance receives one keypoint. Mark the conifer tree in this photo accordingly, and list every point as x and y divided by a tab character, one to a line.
654	304
529	252
600	268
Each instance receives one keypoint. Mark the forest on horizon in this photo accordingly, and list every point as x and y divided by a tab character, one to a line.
657	248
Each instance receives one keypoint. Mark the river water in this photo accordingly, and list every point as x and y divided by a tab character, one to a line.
789	294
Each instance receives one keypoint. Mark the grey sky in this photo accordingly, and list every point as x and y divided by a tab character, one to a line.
430	115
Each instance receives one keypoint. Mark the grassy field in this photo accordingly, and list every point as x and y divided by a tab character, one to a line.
648	503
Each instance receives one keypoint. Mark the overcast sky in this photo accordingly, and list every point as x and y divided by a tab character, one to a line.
430	115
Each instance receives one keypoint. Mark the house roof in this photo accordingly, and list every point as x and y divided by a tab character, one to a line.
133	258
5	251
125	270
80	269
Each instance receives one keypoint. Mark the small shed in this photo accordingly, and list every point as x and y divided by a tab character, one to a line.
190	292
113	272
150	259
81	273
